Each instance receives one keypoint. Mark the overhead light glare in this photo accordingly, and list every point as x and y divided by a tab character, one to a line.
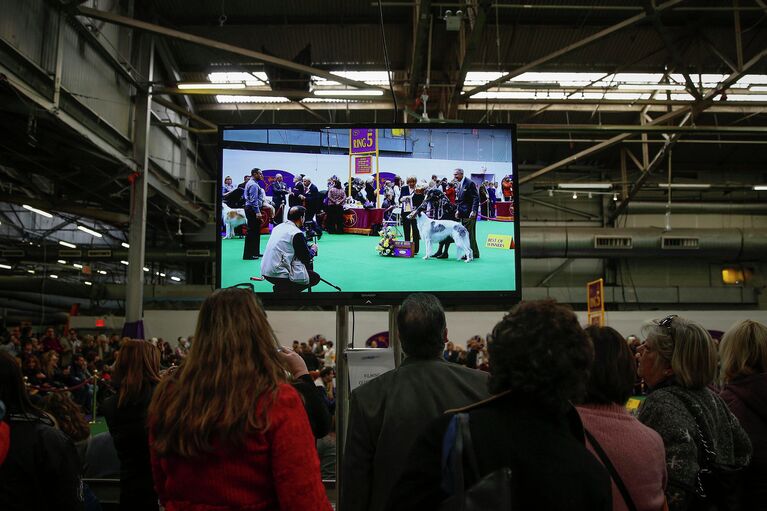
198	86
575	195
88	283
146	269
651	86
175	279
53	276
125	245
162	274
5	266
67	244
102	272
31	272
38	211
615	197
124	262
760	188
78	266
61	261
89	231
348	92
585	186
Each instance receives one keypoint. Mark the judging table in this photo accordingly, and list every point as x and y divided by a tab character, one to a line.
360	220
503	210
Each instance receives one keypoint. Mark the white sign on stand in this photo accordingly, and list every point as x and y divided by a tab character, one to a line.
367	363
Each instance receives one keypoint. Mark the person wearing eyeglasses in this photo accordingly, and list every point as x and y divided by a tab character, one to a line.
678	362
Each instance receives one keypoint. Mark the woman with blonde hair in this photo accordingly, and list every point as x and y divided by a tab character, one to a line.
678	362
227	429
136	374
743	355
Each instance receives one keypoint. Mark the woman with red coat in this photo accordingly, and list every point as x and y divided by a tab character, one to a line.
227	431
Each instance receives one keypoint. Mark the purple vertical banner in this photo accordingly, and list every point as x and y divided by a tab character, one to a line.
363	140
269	178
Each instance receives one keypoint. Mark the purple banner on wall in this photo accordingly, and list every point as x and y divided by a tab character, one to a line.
363	140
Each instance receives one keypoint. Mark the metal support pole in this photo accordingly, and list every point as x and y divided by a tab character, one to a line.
134	292
394	335
59	59
342	391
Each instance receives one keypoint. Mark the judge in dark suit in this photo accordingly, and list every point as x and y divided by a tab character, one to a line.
312	198
387	413
279	194
467	201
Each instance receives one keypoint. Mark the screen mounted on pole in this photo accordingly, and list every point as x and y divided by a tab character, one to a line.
344	215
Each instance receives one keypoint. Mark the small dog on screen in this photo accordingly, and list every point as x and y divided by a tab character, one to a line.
434	231
235	217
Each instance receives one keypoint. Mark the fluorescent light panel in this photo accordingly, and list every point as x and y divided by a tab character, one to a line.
202	86
89	231
685	186
38	211
125	245
88	283
5	267
67	244
251	99
78	266
760	188
32	272
53	276
585	186
175	279
102	272
124	262
61	261
348	92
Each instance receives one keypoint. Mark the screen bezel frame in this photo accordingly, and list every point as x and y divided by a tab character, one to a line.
502	299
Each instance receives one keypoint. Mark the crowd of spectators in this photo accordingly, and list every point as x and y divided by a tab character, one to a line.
541	400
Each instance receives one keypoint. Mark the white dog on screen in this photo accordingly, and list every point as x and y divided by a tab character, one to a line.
232	218
434	231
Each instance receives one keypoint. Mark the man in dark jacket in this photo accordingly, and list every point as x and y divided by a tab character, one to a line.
467	201
387	413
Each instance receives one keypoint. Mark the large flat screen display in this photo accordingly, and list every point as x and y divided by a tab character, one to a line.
366	214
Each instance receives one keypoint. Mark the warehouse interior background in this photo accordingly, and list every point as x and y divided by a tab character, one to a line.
656	112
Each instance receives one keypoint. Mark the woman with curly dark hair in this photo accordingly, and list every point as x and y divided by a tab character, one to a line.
539	362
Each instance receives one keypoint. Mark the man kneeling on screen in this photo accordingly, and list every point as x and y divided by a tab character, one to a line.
287	261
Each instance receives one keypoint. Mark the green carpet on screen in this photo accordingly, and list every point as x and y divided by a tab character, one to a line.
351	262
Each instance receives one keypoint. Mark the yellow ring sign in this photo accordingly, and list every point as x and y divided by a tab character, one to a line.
500	241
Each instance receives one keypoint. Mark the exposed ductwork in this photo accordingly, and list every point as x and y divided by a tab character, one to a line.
698	207
574	242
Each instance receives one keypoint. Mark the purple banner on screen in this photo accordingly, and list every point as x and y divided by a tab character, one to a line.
270	177
363	140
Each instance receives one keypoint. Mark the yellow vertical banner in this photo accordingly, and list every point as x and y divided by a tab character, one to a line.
595	305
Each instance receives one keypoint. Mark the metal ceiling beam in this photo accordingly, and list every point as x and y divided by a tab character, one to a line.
693	112
676	57
571	47
423	20
218	45
183	111
471	45
102	145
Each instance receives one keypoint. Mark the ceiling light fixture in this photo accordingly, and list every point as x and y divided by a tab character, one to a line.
53	276
78	266
162	274
124	262
349	92
89	231
61	261
88	283
38	211
685	186
585	186
175	279
760	188
102	272
67	244
615	197
191	86
575	195
146	269
5	267
31	272
125	245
